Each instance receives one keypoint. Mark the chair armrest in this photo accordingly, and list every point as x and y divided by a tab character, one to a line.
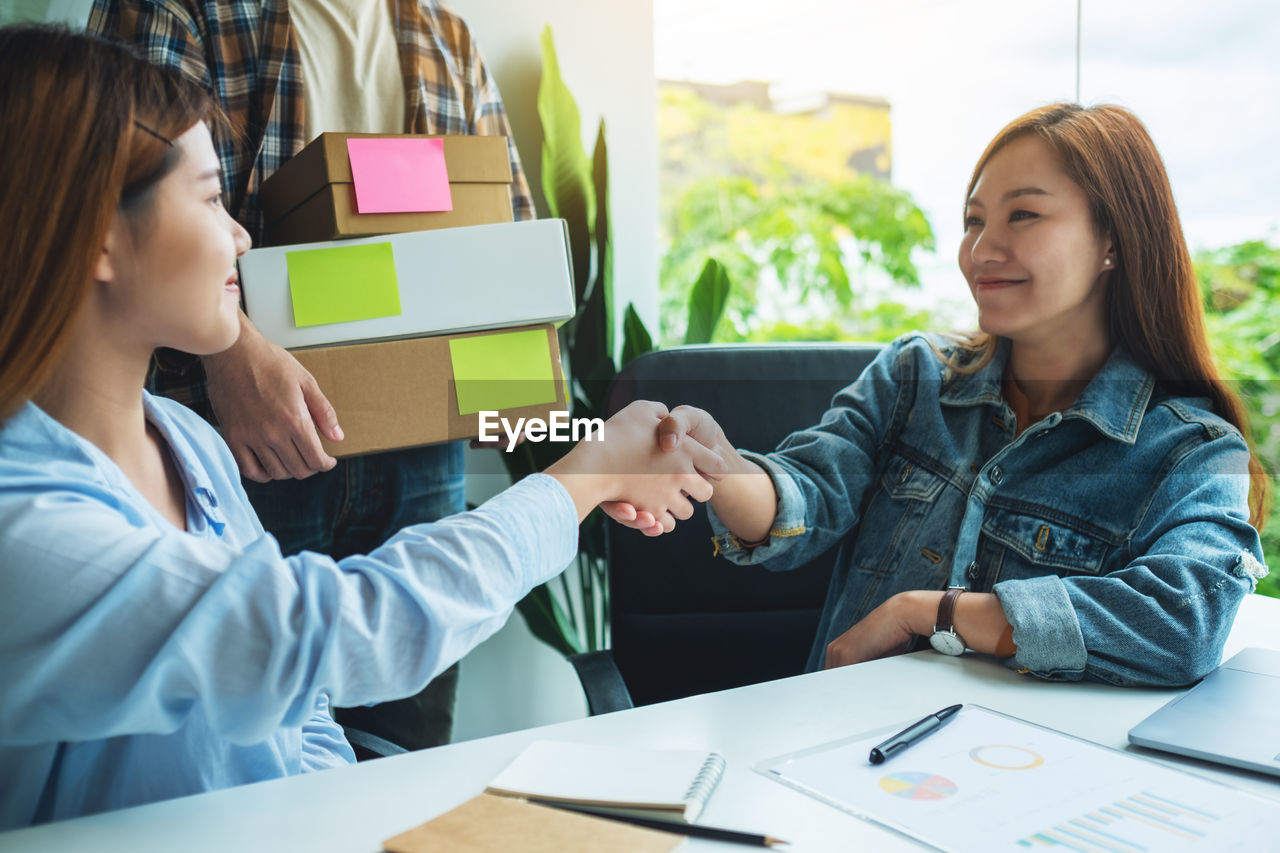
368	746
602	682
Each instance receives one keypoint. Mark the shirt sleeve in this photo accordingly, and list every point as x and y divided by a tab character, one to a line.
490	119
166	35
323	743
108	628
820	474
1163	619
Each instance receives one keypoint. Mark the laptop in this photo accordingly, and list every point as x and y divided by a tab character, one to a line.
1230	717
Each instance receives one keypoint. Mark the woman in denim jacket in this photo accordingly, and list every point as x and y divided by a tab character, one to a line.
1078	467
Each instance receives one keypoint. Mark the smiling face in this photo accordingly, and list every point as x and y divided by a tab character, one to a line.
171	277
1035	261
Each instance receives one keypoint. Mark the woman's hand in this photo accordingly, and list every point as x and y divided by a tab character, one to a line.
745	499
887	630
628	516
670	435
626	465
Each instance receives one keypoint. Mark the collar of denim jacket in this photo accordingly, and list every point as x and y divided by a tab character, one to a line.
1113	402
1117	398
981	386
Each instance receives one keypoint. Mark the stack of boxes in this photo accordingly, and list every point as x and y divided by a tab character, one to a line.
412	334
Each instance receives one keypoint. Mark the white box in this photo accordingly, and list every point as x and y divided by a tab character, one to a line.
450	280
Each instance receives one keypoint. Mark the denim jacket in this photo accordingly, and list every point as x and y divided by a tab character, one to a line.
1115	533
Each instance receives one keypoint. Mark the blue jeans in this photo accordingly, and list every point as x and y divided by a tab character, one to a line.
353	509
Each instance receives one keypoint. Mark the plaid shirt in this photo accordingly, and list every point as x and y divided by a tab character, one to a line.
244	52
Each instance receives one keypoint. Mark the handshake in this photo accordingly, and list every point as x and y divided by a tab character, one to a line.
643	471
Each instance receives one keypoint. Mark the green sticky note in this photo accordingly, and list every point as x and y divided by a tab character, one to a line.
343	283
502	371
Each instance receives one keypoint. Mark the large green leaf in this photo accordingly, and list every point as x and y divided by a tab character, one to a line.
591	356
572	183
604	244
566	171
636	340
706	302
548	622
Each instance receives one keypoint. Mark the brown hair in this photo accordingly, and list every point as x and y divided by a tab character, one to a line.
87	131
1153	298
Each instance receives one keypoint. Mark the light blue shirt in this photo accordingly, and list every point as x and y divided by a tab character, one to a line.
140	662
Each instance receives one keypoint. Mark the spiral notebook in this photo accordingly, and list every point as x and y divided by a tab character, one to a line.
666	783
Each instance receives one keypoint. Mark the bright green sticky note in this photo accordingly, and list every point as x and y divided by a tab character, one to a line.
502	371
343	283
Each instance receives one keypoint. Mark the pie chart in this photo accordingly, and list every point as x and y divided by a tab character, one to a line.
915	785
1004	756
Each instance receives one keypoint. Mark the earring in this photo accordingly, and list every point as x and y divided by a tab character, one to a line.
1106	262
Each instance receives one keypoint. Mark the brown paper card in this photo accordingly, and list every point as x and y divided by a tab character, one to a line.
489	824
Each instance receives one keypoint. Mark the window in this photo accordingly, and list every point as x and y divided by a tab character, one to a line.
950	74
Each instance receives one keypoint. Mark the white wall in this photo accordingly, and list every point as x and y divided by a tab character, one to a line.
512	680
73	12
606	59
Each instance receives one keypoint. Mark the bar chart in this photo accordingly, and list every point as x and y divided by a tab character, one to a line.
1144	821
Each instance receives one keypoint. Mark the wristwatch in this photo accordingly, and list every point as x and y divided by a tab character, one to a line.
944	637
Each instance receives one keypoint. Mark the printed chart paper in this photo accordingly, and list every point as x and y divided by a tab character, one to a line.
399	175
988	782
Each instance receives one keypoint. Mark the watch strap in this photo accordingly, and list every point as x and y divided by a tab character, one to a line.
947	609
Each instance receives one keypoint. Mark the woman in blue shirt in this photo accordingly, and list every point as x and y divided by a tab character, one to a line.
153	640
1075	476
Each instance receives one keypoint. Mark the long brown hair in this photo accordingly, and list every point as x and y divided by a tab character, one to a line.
87	131
1153	299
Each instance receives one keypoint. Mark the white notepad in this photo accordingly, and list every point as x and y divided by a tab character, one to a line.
648	782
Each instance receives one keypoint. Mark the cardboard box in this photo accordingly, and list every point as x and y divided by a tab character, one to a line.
444	282
312	196
404	393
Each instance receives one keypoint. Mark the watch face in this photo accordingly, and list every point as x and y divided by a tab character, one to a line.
947	642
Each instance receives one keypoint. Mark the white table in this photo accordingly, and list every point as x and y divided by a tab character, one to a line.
352	809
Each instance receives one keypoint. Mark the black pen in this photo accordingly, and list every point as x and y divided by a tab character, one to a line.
903	739
679	827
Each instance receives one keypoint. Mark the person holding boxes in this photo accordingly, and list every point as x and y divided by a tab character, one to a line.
284	72
154	642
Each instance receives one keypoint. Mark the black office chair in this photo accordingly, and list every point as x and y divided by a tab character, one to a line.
369	746
684	621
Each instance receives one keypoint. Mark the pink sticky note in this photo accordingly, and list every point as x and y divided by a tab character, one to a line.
399	175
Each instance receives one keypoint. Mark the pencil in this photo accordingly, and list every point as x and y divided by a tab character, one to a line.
679	827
